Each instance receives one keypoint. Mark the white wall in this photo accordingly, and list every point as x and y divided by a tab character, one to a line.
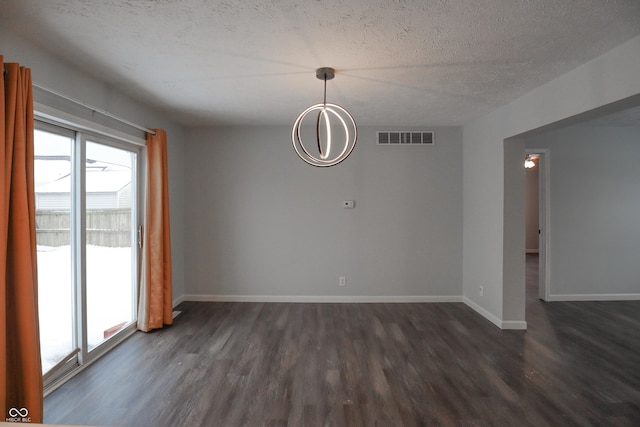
513	269
610	78
394	242
594	211
49	71
483	192
263	225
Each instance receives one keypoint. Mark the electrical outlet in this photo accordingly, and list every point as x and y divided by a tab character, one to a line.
481	290
342	281
348	204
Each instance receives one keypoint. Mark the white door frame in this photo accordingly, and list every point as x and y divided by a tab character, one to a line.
543	221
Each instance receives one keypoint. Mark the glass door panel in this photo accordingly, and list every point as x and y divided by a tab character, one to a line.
111	250
56	306
87	220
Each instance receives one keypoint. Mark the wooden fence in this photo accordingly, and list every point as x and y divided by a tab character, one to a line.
105	227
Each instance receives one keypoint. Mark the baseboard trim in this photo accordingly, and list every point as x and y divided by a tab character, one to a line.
502	324
594	297
177	301
483	312
322	299
514	325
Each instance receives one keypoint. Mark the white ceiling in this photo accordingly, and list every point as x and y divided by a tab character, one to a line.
398	62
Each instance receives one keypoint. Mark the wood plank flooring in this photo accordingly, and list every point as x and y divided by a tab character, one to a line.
266	364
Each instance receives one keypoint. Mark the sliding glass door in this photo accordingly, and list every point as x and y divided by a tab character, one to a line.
87	221
110	249
56	295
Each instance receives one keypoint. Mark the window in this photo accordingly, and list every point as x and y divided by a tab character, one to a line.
87	219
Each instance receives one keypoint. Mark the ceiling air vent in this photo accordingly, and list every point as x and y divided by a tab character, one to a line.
406	138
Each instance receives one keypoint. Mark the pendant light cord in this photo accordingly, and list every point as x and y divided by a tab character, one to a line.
325	90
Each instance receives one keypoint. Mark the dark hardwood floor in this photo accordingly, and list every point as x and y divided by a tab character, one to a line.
259	364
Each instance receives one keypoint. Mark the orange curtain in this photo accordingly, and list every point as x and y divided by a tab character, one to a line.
20	366
155	302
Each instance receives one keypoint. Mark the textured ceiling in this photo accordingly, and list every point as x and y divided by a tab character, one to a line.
398	62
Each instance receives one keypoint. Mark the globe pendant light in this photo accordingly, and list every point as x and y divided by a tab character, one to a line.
335	130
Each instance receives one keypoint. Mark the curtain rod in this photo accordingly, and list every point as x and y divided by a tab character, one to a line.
94	109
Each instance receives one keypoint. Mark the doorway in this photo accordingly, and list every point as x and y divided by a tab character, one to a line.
537	215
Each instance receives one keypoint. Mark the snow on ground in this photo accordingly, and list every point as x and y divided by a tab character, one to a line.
109	297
